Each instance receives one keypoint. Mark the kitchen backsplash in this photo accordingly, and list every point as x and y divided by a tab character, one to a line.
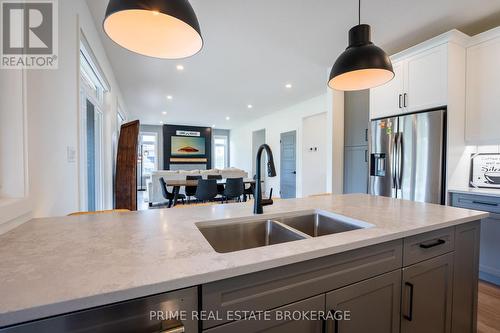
460	175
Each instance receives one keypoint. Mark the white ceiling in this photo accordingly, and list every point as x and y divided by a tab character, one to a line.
253	48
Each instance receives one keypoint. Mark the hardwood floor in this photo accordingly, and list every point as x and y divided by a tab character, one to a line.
488	316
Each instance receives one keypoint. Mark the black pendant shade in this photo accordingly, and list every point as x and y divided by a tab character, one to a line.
166	29
362	65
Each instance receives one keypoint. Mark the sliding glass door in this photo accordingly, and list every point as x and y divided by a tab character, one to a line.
91	141
91	144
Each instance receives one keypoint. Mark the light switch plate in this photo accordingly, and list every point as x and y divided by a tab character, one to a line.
71	154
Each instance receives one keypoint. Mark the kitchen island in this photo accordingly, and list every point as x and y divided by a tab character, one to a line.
57	266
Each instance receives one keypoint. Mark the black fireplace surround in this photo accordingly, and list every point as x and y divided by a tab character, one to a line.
170	131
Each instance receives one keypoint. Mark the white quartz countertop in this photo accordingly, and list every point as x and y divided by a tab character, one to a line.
57	265
477	191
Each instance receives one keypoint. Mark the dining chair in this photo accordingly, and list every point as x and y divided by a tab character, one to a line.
220	187
234	189
191	190
249	192
169	195
206	190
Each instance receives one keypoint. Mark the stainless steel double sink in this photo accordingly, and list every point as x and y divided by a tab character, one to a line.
229	236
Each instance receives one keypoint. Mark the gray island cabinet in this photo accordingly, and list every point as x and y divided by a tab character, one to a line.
423	283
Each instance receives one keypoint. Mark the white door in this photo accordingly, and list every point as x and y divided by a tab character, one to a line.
386	100
426	79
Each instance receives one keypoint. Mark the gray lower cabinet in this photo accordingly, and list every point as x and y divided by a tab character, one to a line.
281	320
465	278
489	265
279	286
423	283
427	294
372	305
356	124
356	169
490	249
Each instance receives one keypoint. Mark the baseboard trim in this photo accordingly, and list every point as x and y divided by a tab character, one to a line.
489	278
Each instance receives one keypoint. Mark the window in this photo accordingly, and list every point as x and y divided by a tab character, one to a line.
148	157
221	152
92	90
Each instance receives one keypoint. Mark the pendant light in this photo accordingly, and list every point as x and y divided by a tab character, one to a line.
362	65
166	29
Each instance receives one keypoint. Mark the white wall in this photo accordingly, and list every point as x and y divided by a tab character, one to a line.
336	126
285	120
158	129
12	134
53	118
15	206
314	154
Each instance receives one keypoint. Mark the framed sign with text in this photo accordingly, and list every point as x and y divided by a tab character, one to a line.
485	170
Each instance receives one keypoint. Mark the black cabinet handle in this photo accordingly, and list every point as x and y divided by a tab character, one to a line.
400	103
366	155
366	135
405	99
494	204
434	243
409	315
327	324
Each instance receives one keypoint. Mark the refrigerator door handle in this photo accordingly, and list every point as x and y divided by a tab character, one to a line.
394	161
400	160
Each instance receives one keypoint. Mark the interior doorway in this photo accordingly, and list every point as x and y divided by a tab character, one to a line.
288	165
148	158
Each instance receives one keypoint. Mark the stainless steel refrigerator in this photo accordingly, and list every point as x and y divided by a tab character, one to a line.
407	156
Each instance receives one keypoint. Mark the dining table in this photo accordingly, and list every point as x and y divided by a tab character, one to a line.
178	183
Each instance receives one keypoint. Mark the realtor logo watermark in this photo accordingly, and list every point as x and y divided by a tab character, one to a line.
29	34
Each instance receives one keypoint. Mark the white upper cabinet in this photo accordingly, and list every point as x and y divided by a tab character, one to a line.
420	83
426	84
483	90
386	100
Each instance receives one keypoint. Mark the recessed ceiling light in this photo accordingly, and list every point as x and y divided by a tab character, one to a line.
161	122
288	86
228	118
180	67
164	112
169	97
213	126
249	106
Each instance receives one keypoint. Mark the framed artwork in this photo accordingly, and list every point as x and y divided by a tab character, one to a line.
187	146
485	171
